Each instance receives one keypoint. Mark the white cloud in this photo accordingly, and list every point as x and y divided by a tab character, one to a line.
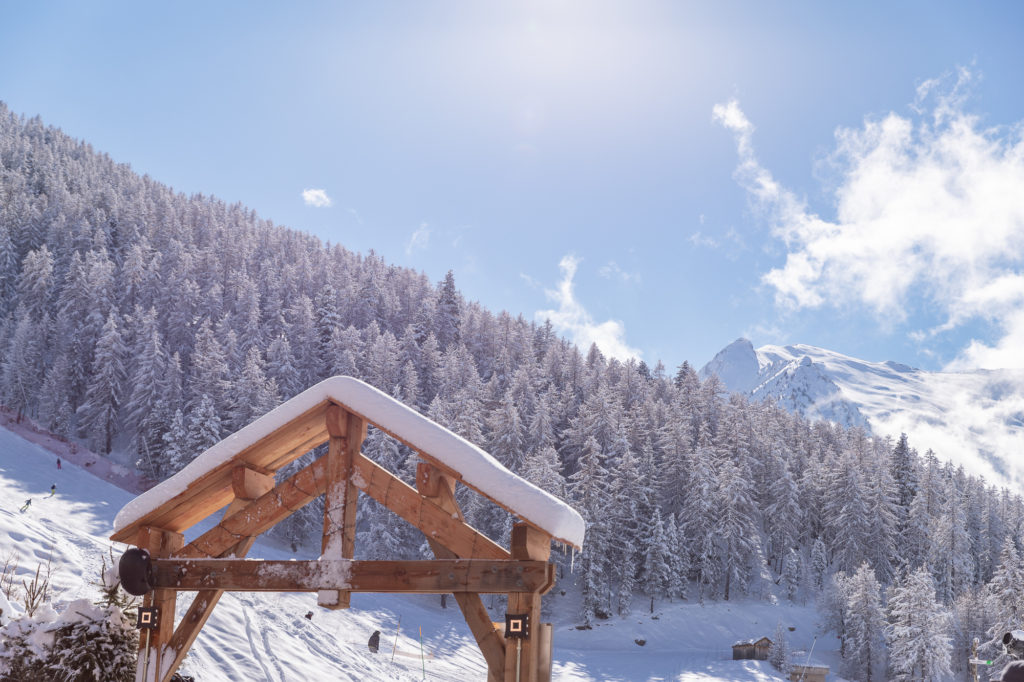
316	197
701	239
611	270
573	320
418	240
929	213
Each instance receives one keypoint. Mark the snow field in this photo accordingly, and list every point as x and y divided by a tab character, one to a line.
265	636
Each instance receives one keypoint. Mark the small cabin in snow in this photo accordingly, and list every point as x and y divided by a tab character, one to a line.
751	649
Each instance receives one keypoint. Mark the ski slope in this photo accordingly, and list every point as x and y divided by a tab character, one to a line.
252	637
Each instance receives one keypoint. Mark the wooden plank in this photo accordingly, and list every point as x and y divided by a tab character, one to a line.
440	488
212	491
262	513
159	543
434	521
406	577
347	432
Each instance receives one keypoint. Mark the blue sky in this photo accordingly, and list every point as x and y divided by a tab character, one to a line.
854	189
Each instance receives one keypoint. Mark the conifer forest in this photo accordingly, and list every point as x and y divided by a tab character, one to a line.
148	325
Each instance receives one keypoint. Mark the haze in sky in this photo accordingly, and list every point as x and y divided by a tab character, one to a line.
657	177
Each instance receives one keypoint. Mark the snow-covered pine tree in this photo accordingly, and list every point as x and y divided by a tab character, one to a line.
175	453
97	416
791	573
254	394
950	556
1004	597
865	622
204	427
542	468
448	316
778	653
657	573
21	364
918	630
734	531
589	491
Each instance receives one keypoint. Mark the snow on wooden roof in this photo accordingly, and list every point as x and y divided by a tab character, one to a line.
298	425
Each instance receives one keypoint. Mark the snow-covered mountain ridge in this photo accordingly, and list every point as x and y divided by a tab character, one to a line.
973	418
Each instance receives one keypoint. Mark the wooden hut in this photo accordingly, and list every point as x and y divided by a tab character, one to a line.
751	649
240	473
808	673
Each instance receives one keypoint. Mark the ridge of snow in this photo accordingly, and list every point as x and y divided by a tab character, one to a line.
973	418
478	468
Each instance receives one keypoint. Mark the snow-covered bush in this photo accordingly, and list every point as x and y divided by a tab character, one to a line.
86	642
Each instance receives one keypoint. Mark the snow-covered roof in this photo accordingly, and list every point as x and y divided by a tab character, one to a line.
477	468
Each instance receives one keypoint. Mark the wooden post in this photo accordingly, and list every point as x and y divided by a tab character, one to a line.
160	543
544	637
527	543
347	432
440	489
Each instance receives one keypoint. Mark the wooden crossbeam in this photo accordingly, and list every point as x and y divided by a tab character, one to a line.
408	577
440	488
347	432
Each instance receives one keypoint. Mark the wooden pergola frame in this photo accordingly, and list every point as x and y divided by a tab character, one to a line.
467	563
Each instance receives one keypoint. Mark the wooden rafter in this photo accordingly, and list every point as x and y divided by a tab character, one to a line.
204	496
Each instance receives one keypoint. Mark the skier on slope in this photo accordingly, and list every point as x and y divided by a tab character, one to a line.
374	642
53	490
58	464
24	507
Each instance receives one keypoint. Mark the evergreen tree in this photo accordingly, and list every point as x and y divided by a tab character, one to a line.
588	488
791	574
21	364
176	452
448	316
734	530
657	568
204	427
865	621
778	653
255	395
918	630
98	414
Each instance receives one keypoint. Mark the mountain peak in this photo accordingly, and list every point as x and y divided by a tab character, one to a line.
971	418
736	365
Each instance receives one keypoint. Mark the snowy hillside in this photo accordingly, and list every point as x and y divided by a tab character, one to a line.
972	418
266	637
